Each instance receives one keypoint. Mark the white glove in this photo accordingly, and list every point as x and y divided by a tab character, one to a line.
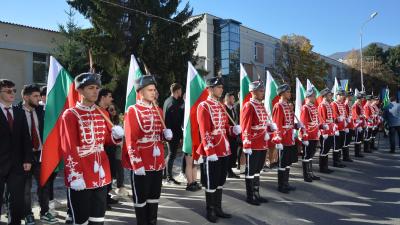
140	171
212	158
337	133
359	129
117	132
274	127
247	151
306	143
168	134
78	184
324	136
266	136
325	126
346	130
279	146
237	129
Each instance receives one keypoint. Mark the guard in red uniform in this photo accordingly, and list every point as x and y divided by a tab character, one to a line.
283	116
310	135
329	128
214	148
377	121
254	121
369	120
339	117
349	126
144	152
84	133
358	117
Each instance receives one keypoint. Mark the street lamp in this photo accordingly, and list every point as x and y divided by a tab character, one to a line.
361	47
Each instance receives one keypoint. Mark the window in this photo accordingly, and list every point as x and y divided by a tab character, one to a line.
259	52
40	68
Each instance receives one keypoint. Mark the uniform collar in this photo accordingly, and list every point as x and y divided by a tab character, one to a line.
84	107
142	103
212	99
255	101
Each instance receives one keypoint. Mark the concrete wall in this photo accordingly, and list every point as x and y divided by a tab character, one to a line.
17	45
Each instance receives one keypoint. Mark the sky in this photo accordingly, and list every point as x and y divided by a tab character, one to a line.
331	25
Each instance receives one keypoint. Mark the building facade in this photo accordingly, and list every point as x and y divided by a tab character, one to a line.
225	43
24	53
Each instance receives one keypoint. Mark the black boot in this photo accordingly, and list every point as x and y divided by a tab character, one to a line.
289	187
346	154
323	165
141	215
336	160
373	147
306	173
281	180
357	151
311	171
367	147
210	205
231	174
152	210
251	198
218	205
257	190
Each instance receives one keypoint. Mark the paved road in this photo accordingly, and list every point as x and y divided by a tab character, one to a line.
367	191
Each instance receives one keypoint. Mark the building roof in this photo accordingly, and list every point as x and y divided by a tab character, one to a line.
25	26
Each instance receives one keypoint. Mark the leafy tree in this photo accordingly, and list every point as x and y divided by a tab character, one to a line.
164	45
296	59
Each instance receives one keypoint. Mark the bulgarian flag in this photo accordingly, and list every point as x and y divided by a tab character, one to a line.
386	99
317	95
196	92
61	95
335	88
271	93
133	74
300	97
244	87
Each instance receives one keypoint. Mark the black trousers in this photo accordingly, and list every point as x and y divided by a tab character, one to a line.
42	192
339	141
173	146
110	150
349	137
255	163
358	136
213	174
50	182
392	137
88	206
309	151
14	194
326	145
119	173
368	134
234	150
146	188
287	156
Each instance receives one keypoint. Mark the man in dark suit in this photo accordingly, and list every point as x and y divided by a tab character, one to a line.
173	120
34	114
233	142
15	151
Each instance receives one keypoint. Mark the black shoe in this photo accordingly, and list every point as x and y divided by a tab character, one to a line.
192	187
218	205
210	206
111	201
250	197
306	173
172	180
108	207
152	210
348	160
312	173
197	185
231	174
257	190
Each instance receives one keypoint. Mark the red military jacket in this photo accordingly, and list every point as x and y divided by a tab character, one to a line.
214	127
310	120
143	138
369	114
350	123
326	117
84	133
339	114
254	125
357	112
283	116
377	118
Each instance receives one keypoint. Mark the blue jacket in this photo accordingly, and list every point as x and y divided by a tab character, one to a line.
392	114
